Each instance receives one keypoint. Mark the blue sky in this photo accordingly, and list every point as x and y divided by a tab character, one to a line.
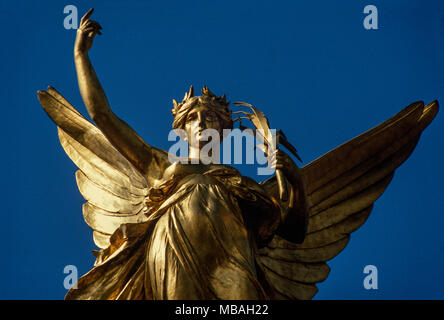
311	66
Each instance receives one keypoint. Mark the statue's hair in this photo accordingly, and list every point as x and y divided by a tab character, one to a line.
217	104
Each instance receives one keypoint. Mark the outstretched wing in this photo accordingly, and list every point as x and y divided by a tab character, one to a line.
115	191
342	186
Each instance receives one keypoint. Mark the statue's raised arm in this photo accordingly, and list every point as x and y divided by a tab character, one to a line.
121	135
116	167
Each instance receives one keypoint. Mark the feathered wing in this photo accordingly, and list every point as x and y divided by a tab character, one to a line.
115	191
342	186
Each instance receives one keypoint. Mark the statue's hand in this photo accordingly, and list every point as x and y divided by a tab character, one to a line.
285	163
86	33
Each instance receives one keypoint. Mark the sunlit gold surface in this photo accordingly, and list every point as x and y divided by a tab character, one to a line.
177	231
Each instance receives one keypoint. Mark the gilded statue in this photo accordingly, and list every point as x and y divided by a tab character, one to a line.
202	230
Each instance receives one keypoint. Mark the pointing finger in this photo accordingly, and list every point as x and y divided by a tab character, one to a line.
87	15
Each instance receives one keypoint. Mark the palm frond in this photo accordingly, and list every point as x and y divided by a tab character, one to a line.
262	130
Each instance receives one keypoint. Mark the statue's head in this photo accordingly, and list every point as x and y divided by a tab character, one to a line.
197	113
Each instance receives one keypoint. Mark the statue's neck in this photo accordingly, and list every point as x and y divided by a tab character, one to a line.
196	156
194	152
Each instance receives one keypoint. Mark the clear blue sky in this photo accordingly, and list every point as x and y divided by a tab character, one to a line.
309	65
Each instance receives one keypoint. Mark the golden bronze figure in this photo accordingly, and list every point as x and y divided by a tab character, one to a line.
203	231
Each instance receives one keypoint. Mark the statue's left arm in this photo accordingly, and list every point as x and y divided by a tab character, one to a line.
294	223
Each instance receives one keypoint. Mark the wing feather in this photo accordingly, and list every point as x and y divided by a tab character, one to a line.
313	255
114	189
336	231
100	171
298	271
342	210
291	289
104	222
332	195
104	199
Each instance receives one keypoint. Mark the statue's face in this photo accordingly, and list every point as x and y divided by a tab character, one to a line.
198	120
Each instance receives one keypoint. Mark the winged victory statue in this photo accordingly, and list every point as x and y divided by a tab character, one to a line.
204	231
